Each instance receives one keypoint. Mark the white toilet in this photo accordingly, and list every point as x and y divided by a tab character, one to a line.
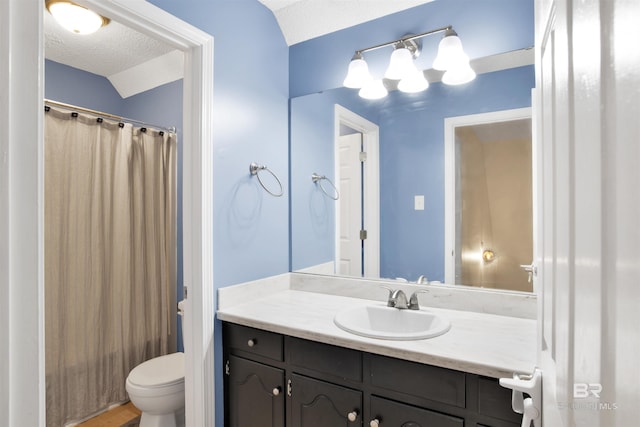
156	388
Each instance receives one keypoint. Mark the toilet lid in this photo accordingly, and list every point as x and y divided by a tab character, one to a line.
159	371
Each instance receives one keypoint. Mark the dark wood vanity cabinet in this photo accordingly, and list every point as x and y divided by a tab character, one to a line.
255	393
277	380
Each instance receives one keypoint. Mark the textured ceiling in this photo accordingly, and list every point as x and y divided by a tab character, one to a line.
111	49
302	20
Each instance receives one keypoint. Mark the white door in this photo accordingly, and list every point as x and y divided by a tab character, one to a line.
350	204
587	109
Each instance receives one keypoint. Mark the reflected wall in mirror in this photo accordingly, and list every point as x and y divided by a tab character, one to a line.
411	163
488	200
411	166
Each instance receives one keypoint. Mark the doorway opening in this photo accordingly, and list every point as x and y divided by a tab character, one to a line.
357	233
489	206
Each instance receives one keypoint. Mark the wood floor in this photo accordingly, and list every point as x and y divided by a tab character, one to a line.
116	417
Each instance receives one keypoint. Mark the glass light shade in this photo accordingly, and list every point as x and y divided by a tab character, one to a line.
450	52
413	83
461	74
373	90
358	75
400	64
74	18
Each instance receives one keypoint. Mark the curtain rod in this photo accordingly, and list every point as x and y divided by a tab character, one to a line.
171	129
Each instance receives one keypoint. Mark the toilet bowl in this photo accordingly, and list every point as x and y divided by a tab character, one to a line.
156	388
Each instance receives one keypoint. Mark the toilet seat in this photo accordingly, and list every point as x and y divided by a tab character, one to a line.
162	371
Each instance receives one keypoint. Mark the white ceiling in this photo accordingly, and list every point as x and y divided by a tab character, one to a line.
125	56
302	20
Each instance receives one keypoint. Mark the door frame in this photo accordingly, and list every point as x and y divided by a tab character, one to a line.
450	124
22	189
371	208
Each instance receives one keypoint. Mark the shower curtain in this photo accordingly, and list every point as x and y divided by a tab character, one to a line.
110	258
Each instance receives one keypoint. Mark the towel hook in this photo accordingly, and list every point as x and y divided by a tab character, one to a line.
255	169
317	179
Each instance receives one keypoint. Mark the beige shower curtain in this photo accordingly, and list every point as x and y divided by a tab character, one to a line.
110	258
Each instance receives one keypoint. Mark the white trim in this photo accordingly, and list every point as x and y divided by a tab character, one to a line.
450	123
24	390
371	142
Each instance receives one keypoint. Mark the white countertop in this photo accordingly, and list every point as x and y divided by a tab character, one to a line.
479	343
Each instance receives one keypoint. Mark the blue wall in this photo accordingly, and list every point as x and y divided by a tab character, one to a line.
411	126
250	118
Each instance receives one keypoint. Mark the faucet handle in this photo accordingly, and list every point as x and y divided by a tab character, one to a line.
390	302
413	301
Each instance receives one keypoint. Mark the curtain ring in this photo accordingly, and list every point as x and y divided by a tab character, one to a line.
317	179
255	169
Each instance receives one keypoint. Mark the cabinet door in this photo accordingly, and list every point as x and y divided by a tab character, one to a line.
320	404
388	413
256	397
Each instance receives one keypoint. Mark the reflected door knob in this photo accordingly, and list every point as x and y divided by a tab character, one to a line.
352	416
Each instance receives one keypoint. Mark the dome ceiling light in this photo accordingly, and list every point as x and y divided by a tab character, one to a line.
75	18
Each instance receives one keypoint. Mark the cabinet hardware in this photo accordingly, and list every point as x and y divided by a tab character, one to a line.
226	368
276	391
374	422
289	388
252	342
352	416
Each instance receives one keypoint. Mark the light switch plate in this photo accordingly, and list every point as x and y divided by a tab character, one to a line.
418	203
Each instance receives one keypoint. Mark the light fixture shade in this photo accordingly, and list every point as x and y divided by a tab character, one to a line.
400	64
373	90
358	74
450	52
413	83
460	74
74	18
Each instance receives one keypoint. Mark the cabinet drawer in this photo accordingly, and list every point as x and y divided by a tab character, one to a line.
254	341
393	414
495	401
415	379
327	359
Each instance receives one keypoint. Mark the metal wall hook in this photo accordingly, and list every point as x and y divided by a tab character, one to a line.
254	170
317	179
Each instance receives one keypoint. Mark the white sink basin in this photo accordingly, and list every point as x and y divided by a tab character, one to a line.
389	323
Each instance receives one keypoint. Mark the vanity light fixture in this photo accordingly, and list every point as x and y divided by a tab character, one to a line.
450	58
75	18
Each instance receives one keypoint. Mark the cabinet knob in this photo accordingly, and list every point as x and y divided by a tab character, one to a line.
276	391
252	342
374	422
352	416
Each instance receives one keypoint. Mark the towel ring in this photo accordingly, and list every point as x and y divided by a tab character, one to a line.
317	179
255	168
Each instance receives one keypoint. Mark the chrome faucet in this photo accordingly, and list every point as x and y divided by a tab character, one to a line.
398	299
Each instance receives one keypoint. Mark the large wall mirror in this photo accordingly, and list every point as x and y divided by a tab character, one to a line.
407	169
387	216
